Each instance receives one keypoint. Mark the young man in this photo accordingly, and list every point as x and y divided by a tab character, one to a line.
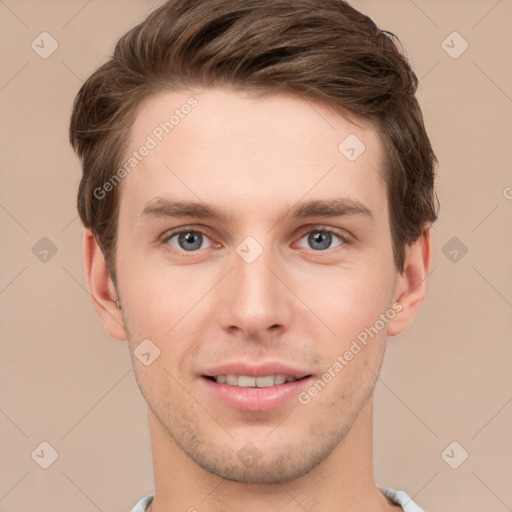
257	192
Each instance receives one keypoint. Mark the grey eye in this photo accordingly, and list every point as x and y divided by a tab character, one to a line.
188	240
320	240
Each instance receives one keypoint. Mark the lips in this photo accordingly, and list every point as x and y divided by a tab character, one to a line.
253	399
255	387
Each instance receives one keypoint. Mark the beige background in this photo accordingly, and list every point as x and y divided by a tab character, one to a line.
66	382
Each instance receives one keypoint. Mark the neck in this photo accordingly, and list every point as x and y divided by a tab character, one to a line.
343	481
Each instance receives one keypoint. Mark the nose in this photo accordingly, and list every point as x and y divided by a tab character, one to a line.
254	302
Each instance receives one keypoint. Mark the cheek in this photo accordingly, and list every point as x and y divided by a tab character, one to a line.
350	300
157	294
164	305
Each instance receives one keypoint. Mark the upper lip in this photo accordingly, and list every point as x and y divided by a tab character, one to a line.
256	369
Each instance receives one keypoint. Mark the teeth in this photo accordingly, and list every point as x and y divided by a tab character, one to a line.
232	380
263	382
281	379
246	381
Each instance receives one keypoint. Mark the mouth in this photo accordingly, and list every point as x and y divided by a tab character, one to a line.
252	393
254	386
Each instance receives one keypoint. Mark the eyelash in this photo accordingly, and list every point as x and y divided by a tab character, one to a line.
318	229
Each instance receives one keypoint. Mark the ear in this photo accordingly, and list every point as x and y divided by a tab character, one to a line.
101	288
411	285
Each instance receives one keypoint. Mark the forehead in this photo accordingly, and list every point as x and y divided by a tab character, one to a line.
233	150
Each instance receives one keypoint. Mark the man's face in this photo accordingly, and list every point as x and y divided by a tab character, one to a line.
262	285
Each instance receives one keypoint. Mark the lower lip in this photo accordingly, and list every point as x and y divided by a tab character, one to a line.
256	399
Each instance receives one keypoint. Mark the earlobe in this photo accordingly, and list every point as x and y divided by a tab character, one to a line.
101	288
411	286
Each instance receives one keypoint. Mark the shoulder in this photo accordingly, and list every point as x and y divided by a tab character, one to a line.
142	504
401	498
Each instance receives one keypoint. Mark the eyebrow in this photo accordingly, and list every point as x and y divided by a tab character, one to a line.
338	207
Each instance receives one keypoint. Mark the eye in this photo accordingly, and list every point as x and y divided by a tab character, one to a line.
321	239
187	240
191	240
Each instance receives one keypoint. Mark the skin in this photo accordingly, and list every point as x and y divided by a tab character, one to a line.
295	303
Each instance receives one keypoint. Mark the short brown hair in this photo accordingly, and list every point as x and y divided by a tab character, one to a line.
323	50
